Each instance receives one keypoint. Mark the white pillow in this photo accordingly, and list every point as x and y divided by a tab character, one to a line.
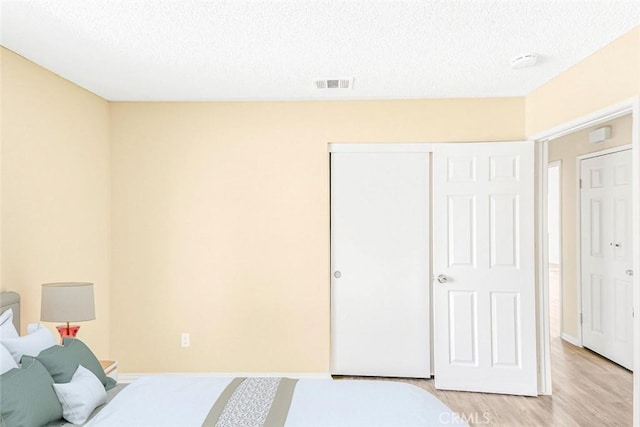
80	396
7	329
32	327
6	360
31	344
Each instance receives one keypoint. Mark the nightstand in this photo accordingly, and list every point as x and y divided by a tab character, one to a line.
110	368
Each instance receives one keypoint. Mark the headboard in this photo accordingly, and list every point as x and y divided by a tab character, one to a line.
11	300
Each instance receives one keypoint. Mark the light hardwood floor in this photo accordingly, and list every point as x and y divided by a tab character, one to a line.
588	390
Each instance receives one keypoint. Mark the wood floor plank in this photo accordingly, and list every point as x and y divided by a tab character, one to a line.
588	390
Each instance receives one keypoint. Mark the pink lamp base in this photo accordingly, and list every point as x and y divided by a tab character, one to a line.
68	331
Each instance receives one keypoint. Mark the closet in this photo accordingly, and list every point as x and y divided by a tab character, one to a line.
606	255
432	260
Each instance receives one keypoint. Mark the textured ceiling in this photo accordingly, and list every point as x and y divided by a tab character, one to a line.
274	50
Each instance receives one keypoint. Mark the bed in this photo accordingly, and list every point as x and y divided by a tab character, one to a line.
214	401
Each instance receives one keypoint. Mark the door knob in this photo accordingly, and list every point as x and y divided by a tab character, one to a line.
628	272
442	279
337	275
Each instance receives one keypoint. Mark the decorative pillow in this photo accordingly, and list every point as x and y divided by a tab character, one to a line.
30	345
7	328
27	397
6	360
80	396
63	361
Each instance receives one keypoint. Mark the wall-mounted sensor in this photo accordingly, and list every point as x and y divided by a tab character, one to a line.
524	61
600	135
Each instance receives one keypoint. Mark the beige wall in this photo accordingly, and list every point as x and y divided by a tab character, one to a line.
221	222
219	211
55	190
566	150
609	76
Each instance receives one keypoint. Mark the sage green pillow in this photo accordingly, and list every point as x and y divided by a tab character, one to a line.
28	398
63	361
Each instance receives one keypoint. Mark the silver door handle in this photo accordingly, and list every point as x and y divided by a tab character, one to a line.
337	275
628	272
442	279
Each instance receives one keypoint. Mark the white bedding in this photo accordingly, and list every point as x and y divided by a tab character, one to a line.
165	400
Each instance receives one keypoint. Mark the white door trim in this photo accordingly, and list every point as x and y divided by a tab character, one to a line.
542	270
382	147
635	200
558	164
589	120
632	106
604	152
579	159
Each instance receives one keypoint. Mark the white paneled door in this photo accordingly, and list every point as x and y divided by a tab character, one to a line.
606	258
483	265
380	264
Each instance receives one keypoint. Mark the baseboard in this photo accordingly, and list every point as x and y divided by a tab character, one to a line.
130	377
570	339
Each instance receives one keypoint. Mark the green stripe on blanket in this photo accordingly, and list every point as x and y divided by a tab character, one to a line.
258	402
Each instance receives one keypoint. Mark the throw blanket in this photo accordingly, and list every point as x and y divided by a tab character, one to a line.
252	402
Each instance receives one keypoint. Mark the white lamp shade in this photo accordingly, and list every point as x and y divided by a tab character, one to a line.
67	302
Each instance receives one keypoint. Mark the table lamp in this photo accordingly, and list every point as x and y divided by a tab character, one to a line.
67	302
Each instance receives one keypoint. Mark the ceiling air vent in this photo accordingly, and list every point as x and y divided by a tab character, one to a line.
342	83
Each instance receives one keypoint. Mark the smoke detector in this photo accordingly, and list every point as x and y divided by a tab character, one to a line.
336	83
524	61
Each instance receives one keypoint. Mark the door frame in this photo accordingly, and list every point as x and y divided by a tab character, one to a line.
558	164
578	340
629	106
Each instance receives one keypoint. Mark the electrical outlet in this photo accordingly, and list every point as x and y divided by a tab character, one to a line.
185	340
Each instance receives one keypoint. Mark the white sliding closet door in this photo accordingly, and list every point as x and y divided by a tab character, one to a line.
380	264
483	246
